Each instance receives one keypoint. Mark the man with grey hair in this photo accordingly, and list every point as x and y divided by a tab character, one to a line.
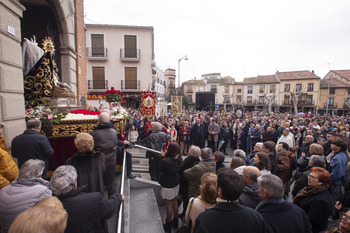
155	141
87	212
106	140
250	196
240	153
28	189
32	145
279	215
194	174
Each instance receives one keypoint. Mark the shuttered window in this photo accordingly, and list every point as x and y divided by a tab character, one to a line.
130	46
97	43
98	77
130	78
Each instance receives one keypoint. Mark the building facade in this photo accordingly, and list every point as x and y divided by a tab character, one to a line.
304	83
121	57
169	76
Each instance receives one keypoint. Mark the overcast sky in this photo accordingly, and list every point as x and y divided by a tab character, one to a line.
240	39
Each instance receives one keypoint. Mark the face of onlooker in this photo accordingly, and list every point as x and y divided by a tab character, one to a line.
312	179
256	159
345	221
280	147
285	133
330	137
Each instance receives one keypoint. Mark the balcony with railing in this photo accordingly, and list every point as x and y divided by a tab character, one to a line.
130	55
96	53
171	86
331	105
130	84
189	91
97	84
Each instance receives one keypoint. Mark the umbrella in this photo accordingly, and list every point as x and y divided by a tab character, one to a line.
300	113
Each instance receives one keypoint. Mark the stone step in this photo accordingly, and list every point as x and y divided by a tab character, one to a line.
144	213
139	168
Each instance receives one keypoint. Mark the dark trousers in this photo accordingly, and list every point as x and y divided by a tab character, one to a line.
120	155
223	147
153	165
109	175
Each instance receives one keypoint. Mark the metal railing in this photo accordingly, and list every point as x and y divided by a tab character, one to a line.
130	84
96	52
97	84
121	210
130	53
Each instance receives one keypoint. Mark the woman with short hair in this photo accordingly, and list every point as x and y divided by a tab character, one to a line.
315	198
90	164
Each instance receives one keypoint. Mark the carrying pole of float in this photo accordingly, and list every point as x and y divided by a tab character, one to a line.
146	148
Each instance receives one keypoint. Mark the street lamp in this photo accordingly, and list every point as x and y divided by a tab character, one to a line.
329	82
184	57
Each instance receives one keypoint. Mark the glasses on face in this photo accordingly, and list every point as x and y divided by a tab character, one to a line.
345	216
311	176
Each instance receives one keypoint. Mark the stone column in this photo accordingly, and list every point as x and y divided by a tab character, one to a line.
11	76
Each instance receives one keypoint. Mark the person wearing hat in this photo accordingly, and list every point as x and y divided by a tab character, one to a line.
338	168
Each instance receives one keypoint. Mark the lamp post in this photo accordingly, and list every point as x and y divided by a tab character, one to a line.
329	83
184	57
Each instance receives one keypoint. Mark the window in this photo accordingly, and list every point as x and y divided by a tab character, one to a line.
189	89
298	87
309	99
171	85
332	91
261	89
249	100
330	101
130	46
189	98
98	78
213	88
130	78
227	89
239	90
272	88
286	99
286	87
261	99
239	99
310	87
250	89
97	44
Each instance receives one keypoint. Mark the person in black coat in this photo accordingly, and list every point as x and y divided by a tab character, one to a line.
269	135
106	140
315	199
194	154
255	135
87	212
90	164
244	135
225	136
279	215
228	215
32	145
198	133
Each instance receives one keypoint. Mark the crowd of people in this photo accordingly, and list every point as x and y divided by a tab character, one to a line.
273	156
276	156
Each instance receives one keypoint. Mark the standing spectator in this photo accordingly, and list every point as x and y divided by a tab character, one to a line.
24	192
213	135
279	215
269	148
193	158
228	215
315	199
136	121
194	174
133	135
106	140
90	164
225	136
206	200
244	135
184	137
283	163
142	132
173	133
219	159
286	137
262	162
239	138
198	134
269	135
40	218
155	142
338	168
255	136
148	122
330	137
32	145
169	180
8	167
250	196
87	212
235	128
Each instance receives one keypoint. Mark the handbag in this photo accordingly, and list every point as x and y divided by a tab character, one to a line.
188	226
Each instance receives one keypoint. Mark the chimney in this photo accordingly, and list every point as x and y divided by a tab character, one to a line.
313	71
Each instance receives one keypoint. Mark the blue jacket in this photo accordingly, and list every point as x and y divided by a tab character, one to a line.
338	168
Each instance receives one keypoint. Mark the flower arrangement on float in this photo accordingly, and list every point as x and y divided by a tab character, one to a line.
113	96
44	115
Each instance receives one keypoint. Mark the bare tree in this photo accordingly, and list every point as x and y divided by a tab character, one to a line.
270	98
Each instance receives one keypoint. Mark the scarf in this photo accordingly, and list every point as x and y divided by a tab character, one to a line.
308	191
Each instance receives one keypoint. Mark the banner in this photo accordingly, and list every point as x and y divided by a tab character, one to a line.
176	104
148	103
